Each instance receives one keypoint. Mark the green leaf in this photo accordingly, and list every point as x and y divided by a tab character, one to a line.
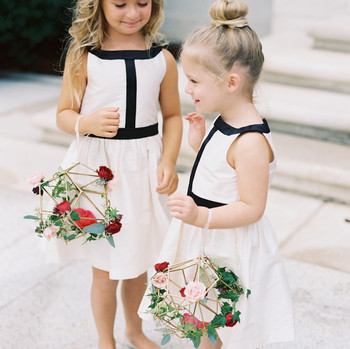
230	295
212	334
248	292
170	307
226	309
96	228
188	327
110	240
70	237
213	338
166	339
32	217
75	216
219	320
236	316
195	336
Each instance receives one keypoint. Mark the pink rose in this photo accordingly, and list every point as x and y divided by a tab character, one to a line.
195	291
36	177
50	232
160	280
111	184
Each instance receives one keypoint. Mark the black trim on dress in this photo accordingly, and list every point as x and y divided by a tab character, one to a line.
226	129
131	93
128	54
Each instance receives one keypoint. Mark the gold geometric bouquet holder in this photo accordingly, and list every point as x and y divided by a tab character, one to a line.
193	298
60	213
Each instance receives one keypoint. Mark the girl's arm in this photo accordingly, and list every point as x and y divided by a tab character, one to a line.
196	130
250	155
104	122
172	127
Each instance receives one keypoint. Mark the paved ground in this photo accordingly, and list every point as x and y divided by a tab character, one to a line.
46	306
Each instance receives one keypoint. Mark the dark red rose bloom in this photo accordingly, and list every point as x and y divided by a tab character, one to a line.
113	227
62	207
36	190
161	266
182	292
229	322
105	173
82	223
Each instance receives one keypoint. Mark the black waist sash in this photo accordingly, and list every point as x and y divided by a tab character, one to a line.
133	133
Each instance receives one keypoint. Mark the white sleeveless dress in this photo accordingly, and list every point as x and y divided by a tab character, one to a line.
251	252
131	81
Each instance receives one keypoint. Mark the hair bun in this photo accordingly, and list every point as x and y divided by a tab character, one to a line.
230	13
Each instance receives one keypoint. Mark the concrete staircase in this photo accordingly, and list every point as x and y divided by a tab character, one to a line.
305	94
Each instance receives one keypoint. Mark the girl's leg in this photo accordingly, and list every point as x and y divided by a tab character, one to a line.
104	306
132	291
206	344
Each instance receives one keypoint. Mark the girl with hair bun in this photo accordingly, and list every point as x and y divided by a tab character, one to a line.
228	187
116	76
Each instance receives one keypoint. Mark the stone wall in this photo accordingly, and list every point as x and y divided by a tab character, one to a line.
184	16
296	15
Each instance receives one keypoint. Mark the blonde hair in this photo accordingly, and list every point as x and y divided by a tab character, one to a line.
227	41
88	31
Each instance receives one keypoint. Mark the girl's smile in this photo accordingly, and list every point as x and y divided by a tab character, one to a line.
126	17
207	92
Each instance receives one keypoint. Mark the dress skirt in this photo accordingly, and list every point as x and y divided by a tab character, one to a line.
251	252
145	216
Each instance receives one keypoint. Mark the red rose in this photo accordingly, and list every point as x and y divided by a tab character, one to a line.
113	227
161	266
105	173
82	223
187	318
182	292
63	206
229	322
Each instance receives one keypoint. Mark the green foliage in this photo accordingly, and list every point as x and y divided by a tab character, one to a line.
35	218
212	334
166	338
26	24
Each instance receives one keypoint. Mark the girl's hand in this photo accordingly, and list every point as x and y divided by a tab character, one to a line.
183	207
103	123
196	130
167	178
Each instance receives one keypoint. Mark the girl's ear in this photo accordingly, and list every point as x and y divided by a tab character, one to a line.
234	81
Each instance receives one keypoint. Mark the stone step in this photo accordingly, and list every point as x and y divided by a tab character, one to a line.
304	111
334	36
291	61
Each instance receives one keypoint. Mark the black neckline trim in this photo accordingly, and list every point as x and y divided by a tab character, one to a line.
229	130
128	54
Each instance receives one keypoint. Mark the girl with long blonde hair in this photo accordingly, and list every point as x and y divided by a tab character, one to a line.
115	78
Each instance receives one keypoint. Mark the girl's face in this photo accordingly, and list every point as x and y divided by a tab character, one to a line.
126	16
207	92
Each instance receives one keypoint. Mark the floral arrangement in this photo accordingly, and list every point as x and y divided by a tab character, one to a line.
180	305
64	219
